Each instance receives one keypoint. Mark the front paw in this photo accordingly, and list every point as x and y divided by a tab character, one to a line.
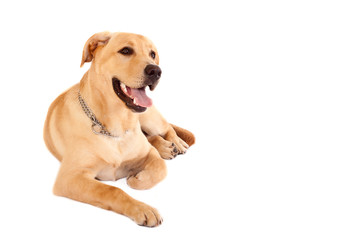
166	149
179	146
144	215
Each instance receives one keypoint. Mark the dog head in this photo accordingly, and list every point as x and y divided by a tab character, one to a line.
129	61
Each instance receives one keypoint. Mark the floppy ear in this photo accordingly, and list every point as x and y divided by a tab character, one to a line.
96	40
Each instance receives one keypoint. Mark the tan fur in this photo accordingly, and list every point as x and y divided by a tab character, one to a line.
86	157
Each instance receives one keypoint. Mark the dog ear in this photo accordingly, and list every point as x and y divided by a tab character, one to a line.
96	40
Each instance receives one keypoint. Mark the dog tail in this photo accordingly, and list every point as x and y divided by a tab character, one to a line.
184	134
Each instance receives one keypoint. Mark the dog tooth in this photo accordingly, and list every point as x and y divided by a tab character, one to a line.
123	87
134	101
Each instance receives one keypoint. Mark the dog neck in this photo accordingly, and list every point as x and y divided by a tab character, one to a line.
108	108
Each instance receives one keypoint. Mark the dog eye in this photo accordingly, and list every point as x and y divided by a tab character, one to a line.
153	54
126	51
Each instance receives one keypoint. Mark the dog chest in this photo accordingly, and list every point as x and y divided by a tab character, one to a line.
122	156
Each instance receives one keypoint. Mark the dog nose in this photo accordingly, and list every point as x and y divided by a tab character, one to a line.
153	72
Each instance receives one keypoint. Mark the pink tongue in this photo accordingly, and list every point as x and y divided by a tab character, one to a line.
140	97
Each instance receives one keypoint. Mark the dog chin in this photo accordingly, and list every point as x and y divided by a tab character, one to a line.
134	98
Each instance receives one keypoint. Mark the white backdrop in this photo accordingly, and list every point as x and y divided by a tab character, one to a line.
270	88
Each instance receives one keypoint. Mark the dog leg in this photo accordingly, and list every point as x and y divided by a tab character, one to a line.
153	172
184	134
153	124
80	185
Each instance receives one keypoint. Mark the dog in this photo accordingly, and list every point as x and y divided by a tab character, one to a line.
106	128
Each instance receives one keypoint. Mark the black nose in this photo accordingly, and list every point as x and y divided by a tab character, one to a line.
153	72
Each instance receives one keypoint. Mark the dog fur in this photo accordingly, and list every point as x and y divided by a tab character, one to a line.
142	142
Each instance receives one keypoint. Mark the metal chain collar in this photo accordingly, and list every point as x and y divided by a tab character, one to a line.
95	123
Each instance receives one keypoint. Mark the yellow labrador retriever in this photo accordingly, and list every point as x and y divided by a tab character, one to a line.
106	128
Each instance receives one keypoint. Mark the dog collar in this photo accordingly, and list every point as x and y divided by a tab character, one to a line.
97	127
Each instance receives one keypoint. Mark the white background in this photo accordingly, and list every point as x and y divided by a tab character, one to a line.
270	88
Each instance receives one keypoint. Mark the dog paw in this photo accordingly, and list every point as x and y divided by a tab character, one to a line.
167	150
144	215
178	145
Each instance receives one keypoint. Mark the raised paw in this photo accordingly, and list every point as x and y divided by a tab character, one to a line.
166	149
179	146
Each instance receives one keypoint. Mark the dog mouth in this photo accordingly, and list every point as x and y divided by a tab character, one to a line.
134	98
